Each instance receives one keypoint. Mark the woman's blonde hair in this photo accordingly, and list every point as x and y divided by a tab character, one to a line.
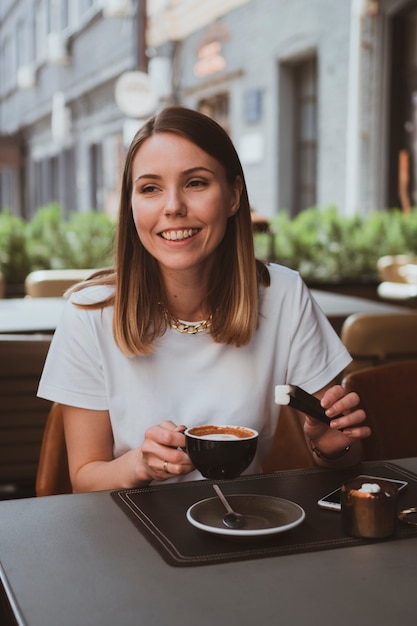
232	294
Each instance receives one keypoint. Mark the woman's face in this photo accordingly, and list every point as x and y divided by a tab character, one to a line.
181	202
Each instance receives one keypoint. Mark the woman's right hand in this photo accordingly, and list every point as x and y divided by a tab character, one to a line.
89	440
163	451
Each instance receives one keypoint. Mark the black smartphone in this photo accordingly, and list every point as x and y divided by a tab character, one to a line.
332	500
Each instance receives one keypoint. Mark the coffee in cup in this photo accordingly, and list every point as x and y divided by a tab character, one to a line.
221	451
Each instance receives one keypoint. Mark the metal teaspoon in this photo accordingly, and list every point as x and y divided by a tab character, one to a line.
231	519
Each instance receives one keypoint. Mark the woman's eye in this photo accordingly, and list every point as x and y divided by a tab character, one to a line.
197	183
148	189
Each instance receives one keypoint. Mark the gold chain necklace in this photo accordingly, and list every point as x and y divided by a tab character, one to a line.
190	329
183	327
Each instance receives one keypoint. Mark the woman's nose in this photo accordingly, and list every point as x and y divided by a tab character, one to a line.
175	204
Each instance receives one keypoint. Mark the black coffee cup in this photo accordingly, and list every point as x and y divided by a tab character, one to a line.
221	451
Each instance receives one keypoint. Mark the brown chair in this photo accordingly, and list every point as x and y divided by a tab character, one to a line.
22	414
378	338
53	283
389	397
53	474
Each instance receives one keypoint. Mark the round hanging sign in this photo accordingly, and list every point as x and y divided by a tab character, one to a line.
135	95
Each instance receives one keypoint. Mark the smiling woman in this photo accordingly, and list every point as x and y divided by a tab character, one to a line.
188	328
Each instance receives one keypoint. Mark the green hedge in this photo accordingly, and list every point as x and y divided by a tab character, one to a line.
322	244
84	240
14	258
326	246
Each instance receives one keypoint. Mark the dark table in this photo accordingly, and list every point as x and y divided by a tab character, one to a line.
78	560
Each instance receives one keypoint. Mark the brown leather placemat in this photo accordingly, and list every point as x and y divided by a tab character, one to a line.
159	512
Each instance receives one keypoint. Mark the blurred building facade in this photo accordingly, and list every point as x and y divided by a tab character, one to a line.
319	96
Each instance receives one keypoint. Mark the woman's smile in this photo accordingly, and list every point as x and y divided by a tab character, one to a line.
180	234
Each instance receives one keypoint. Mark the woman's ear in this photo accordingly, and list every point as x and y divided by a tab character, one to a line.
236	192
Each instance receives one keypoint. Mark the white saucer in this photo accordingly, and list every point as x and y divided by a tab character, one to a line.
265	515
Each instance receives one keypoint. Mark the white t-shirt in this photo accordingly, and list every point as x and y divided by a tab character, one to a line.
190	379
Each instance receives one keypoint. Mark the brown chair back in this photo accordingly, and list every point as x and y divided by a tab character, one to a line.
22	414
388	395
53	283
53	473
378	338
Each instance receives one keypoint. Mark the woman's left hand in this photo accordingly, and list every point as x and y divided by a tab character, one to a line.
344	430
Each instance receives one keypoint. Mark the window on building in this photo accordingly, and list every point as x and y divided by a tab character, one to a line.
44	182
217	107
297	134
402	189
9	190
53	179
45	186
36	186
69	194
305	134
96	176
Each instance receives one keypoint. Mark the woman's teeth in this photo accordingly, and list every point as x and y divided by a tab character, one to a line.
177	235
